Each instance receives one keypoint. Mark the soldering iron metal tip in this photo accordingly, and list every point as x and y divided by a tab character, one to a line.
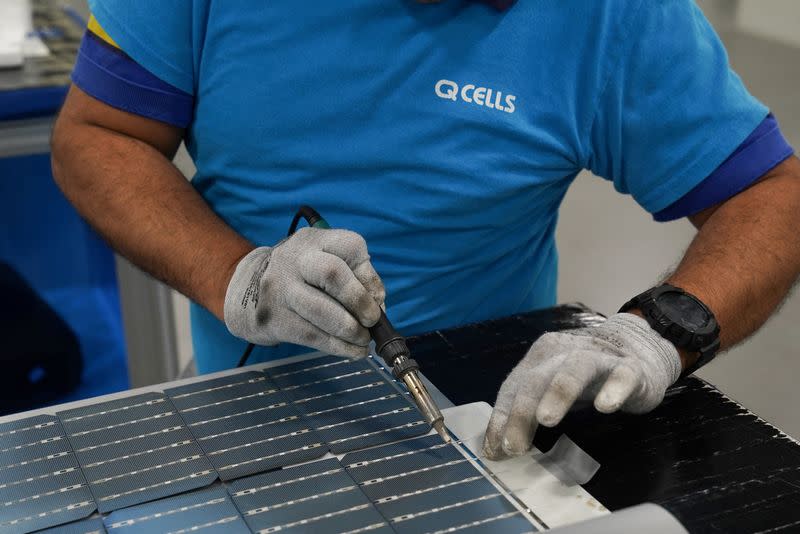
439	426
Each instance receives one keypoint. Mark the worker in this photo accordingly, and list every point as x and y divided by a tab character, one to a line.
445	136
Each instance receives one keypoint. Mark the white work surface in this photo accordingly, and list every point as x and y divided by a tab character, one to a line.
551	500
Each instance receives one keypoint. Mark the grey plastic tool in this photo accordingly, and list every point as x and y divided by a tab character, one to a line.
41	484
351	404
209	510
313	497
423	484
135	450
246	425
93	525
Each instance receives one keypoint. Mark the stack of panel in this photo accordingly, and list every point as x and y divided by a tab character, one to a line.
245	425
349	403
314	497
135	450
41	483
425	485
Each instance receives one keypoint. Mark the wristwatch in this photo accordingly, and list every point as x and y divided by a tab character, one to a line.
680	318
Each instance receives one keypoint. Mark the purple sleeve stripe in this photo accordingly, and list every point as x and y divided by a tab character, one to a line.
757	155
112	77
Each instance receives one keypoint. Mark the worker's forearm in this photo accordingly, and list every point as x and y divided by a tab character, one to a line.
133	195
746	256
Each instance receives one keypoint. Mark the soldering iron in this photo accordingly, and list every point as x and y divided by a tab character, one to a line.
389	345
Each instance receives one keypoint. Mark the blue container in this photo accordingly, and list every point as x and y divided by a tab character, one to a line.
44	239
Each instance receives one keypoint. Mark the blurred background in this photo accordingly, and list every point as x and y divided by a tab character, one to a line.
127	330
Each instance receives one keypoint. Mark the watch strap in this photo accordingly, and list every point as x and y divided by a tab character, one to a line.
704	341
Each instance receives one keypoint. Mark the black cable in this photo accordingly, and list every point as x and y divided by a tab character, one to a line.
245	355
295	221
312	217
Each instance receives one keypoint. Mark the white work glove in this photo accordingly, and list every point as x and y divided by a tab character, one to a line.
316	288
621	364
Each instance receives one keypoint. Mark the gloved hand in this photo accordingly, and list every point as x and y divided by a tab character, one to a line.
621	364
316	288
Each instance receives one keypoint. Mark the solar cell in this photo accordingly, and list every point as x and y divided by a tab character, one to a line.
134	450
41	484
480	512
313	497
209	510
511	523
350	403
425	485
93	525
245	424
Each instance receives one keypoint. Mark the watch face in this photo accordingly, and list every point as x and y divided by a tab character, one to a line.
683	310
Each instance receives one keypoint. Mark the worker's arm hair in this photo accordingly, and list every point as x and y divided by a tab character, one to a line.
746	255
116	168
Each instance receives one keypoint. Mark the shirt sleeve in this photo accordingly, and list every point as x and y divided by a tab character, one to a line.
104	71
761	152
158	35
672	110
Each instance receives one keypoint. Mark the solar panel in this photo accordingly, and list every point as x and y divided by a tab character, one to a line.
87	526
142	454
313	497
134	450
425	485
245	424
350	403
41	483
209	510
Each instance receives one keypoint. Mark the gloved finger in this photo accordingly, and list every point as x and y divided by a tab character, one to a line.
366	274
302	332
521	425
321	310
349	246
576	373
621	383
533	364
352	248
331	274
493	439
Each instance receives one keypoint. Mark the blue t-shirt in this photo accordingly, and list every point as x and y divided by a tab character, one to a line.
446	134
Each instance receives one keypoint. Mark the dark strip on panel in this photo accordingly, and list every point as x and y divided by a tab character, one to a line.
135	450
350	403
41	484
313	497
246	425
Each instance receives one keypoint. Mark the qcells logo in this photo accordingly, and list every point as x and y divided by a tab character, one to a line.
482	96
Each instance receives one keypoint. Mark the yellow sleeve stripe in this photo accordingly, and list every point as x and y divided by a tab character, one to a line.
98	30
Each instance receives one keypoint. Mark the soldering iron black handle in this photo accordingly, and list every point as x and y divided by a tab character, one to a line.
389	344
